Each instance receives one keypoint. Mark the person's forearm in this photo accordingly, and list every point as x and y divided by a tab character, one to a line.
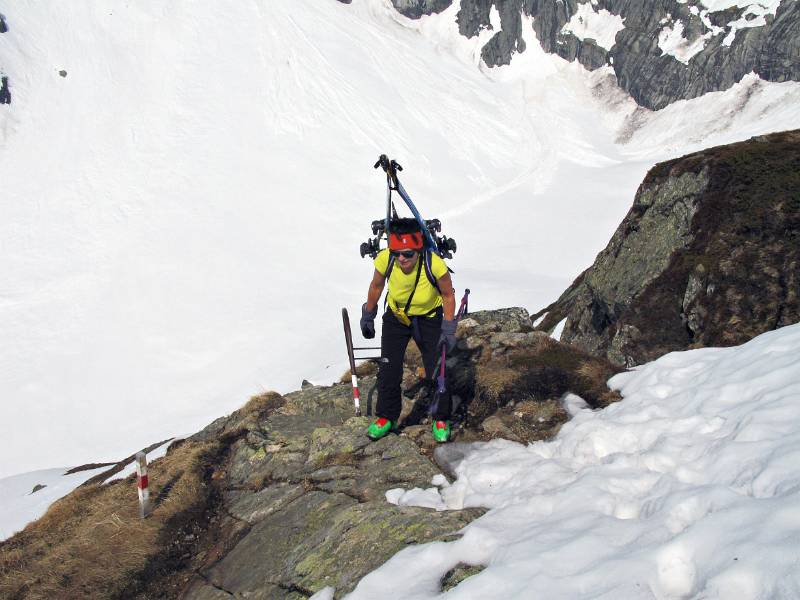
449	305
373	295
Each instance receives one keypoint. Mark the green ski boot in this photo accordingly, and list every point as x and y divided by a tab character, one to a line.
441	431
379	428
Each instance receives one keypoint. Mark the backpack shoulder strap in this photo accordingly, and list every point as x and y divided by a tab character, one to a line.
389	267
429	270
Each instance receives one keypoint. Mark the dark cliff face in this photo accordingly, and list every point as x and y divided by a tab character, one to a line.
707	256
654	79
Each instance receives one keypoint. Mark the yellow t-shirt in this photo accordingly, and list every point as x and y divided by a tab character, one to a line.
426	298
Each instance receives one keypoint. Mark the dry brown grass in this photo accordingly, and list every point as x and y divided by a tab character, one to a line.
493	379
608	397
547	410
593	371
363	370
92	543
597	372
258	405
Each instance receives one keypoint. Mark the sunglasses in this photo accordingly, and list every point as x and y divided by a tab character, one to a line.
403	253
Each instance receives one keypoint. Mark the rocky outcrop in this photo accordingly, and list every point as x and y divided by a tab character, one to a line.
707	256
5	92
288	495
303	491
643	69
508	381
414	9
304	488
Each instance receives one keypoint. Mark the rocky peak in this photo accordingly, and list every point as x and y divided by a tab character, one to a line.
708	255
659	51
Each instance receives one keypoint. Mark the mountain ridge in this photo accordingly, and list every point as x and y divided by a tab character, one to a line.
649	52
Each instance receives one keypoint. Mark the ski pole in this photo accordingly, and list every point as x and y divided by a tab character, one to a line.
440	380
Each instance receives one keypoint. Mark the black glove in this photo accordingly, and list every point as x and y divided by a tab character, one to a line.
368	321
448	336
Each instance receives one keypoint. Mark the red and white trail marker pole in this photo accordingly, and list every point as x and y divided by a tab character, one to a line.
142	484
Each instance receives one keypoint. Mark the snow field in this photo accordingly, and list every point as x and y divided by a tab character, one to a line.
182	212
688	488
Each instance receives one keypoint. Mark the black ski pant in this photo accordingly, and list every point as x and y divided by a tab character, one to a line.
394	341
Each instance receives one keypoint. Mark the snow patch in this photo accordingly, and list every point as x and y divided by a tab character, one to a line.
559	329
573	404
428	498
672	42
326	593
601	26
767	6
754	16
688	487
671	39
494	19
20	505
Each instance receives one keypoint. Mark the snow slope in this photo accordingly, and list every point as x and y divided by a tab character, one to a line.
182	211
21	504
688	488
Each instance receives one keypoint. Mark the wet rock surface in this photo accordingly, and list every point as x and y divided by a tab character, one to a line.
707	256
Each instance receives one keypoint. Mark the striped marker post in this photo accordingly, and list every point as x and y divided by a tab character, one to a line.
356	395
142	484
348	338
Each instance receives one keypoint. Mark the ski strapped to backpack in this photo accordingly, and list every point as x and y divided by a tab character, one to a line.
440	245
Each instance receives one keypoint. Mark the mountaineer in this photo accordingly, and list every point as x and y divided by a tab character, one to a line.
422	307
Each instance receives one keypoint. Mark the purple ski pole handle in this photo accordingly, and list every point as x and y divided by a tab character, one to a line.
440	379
